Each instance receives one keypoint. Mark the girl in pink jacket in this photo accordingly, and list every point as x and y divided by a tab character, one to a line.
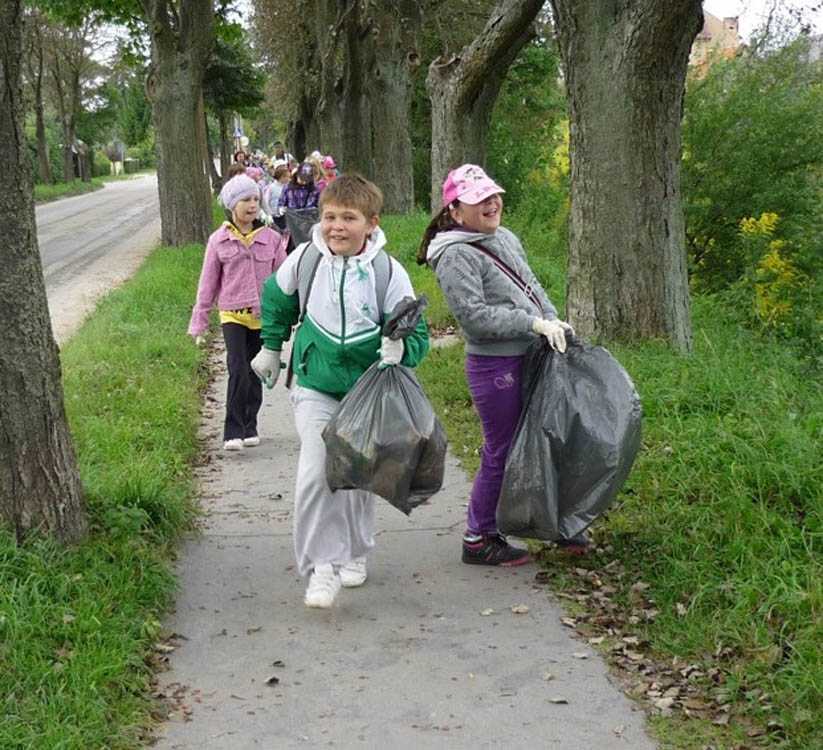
239	257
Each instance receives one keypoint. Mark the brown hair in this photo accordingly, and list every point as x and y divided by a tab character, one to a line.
441	221
235	169
280	171
353	191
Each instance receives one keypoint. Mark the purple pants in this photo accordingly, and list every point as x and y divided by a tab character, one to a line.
494	383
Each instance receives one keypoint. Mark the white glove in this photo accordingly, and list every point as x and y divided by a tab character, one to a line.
266	366
391	351
554	331
199	341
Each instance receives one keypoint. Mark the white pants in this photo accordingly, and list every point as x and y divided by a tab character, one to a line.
329	527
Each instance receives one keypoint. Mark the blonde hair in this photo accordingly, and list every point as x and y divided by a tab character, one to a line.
353	191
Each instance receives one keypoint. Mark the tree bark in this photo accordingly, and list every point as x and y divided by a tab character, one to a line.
35	58
40	486
66	117
180	44
464	88
216	179
625	67
225	146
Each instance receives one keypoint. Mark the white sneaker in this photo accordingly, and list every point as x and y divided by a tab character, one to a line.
353	574
235	444
323	587
251	442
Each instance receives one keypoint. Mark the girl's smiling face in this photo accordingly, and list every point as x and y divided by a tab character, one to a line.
345	229
482	217
245	211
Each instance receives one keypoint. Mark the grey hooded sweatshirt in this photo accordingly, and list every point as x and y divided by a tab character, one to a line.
495	314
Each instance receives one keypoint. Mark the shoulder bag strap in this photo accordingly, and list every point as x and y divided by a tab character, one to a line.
512	275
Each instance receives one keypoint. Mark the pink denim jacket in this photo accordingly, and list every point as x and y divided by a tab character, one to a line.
233	274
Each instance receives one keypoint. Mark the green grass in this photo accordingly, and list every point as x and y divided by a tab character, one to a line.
47	193
77	626
721	513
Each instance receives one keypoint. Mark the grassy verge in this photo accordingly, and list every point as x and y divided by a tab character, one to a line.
48	193
77	626
709	560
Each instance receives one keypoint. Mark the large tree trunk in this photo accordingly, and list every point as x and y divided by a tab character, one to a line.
225	145
464	88
394	40
625	70
180	51
40	487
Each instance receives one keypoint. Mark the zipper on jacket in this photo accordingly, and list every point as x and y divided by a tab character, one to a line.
342	303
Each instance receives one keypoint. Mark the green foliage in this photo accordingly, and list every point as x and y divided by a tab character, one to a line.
524	128
77	626
753	144
233	82
102	165
46	193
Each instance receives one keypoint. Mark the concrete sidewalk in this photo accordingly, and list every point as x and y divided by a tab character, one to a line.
428	654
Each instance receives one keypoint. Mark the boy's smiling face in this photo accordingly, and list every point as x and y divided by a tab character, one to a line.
345	229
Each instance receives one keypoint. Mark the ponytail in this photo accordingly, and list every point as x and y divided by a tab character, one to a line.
441	222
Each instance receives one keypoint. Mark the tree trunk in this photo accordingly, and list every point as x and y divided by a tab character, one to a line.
225	145
44	166
216	180
625	70
66	120
40	487
394	41
180	51
464	88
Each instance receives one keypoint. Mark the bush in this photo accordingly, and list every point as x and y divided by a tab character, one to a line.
753	144
102	165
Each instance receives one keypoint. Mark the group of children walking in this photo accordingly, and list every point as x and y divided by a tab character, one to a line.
260	292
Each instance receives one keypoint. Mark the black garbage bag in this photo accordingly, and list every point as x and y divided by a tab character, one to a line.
385	437
299	222
575	443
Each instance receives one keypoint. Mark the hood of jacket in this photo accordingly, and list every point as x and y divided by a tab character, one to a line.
442	240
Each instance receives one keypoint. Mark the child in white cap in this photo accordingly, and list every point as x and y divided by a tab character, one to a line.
239	257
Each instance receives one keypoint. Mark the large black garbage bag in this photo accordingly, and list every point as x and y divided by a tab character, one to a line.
299	222
385	436
575	444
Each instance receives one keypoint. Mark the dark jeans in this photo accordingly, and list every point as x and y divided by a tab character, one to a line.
244	395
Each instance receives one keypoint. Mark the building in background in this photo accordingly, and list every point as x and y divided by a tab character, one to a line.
718	39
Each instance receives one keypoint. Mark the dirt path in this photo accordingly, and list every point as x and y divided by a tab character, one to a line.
91	243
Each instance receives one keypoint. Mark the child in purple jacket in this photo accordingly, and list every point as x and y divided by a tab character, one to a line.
301	192
239	257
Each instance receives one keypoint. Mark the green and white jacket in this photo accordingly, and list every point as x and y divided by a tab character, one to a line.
339	337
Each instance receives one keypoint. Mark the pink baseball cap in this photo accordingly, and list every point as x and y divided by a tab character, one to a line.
469	184
328	163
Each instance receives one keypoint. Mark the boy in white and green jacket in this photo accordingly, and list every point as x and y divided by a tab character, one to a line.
354	286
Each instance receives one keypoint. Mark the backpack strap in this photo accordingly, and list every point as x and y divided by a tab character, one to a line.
512	275
383	270
306	271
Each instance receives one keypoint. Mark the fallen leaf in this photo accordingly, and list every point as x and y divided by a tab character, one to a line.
569	622
273	680
558	700
681	610
67	618
486	612
249	631
163	648
618	730
664	703
278	663
580	655
520	609
597	640
547	676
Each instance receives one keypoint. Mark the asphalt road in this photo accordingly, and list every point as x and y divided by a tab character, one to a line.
91	243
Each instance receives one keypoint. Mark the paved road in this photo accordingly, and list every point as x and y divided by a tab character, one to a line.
428	654
91	243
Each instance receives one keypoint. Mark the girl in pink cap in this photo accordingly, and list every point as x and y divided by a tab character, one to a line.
501	307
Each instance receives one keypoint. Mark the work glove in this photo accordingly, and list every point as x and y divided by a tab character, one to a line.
554	331
391	351
266	366
199	341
